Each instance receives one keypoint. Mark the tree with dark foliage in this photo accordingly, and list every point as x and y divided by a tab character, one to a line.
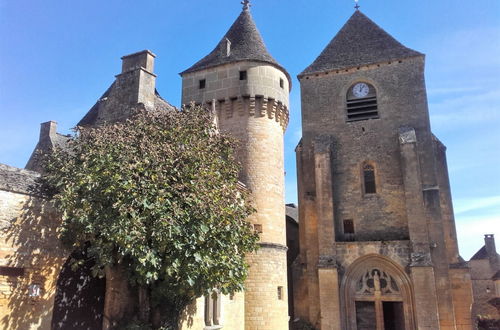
157	194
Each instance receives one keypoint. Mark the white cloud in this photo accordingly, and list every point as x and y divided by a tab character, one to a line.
463	205
471	48
451	90
455	111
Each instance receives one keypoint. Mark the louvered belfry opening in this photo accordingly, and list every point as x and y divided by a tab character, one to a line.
361	106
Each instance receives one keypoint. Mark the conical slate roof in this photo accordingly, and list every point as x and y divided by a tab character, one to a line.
359	42
245	43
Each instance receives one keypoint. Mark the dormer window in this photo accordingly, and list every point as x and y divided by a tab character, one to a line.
361	102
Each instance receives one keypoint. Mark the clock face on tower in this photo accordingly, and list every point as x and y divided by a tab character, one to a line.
360	90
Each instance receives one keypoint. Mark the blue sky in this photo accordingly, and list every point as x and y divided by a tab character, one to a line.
58	57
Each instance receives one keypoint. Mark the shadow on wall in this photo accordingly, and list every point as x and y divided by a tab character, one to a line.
187	316
79	299
36	274
31	259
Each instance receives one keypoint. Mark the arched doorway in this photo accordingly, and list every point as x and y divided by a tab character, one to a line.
377	295
79	300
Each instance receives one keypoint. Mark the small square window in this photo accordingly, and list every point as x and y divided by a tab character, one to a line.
243	75
203	83
11	271
348	226
257	228
282	83
280	293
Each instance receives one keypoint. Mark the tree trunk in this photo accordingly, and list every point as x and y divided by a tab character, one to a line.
144	304
117	298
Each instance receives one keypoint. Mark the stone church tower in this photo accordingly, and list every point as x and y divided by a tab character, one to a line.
378	247
249	91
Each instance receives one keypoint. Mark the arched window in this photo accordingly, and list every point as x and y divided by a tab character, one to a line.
369	185
361	102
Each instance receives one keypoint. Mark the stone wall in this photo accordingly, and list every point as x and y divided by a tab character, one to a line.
401	101
409	219
484	265
232	314
223	83
29	243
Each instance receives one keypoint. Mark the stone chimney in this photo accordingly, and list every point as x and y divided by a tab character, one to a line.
48	132
489	243
136	83
133	88
141	60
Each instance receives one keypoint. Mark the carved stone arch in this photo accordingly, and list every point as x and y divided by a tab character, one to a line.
377	279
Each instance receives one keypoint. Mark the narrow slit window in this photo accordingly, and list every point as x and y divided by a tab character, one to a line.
361	102
243	75
369	179
282	83
202	83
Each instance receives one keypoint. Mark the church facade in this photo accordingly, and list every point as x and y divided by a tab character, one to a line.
377	246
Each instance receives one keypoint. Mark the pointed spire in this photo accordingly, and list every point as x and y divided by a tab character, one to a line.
359	42
242	42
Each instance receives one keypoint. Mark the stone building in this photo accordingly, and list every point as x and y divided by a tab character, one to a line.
249	90
485	275
378	246
372	243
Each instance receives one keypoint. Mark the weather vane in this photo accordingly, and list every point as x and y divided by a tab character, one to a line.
357	5
246	4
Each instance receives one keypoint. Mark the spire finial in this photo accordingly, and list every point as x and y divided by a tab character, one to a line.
246	4
357	5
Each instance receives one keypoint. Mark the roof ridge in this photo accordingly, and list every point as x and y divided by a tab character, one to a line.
360	41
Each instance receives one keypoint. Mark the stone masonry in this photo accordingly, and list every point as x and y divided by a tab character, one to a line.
377	245
404	229
249	90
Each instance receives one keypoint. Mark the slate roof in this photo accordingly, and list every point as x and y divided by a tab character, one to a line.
481	254
18	180
359	42
292	212
91	116
246	45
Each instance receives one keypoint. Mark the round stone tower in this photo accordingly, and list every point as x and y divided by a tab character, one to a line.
249	91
